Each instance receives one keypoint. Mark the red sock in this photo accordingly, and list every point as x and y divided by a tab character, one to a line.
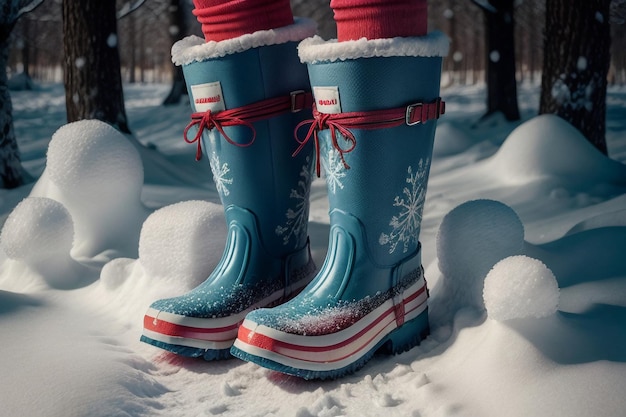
378	19
227	19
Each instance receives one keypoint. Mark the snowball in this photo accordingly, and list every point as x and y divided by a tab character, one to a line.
92	159
97	174
183	242
471	239
520	287
37	229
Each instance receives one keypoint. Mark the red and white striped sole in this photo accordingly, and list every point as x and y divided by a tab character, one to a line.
338	350
202	333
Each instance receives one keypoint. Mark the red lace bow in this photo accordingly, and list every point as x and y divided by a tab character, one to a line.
209	120
245	116
410	115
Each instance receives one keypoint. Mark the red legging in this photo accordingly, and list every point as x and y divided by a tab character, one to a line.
372	19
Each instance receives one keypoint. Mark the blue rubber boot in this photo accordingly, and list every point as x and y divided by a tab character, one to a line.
370	294
263	188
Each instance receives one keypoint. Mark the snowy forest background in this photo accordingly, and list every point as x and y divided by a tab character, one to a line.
534	188
574	48
145	38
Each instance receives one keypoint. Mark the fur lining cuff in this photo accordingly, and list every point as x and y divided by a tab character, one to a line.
193	48
315	49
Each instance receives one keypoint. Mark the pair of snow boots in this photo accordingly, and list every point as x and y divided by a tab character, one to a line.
363	110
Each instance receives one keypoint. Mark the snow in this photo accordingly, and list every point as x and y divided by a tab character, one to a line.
112	40
520	287
527	212
97	174
471	239
183	242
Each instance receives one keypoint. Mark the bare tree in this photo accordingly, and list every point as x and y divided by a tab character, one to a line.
617	71
500	51
576	63
177	29
93	82
11	172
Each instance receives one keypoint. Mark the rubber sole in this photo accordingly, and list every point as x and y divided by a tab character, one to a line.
398	341
194	337
206	354
333	355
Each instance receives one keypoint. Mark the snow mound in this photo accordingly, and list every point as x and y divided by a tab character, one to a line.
548	146
90	158
183	242
472	238
614	218
97	174
38	229
115	272
39	233
520	287
450	140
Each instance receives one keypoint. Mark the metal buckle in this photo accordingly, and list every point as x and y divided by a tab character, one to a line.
409	111
294	102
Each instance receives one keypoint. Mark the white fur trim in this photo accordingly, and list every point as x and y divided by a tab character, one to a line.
194	48
315	49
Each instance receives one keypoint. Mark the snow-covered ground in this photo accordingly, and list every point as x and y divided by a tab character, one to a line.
529	211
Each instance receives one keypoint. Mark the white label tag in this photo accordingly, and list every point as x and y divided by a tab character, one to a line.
208	97
327	99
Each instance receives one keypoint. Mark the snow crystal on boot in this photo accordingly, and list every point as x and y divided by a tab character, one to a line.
183	242
471	239
520	287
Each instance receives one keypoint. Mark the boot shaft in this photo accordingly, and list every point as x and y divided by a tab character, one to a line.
257	171
383	181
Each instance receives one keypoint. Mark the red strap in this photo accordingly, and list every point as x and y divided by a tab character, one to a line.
375	119
245	116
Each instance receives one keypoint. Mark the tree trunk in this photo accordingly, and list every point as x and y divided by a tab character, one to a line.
177	31
501	82
11	175
576	63
133	48
93	82
11	172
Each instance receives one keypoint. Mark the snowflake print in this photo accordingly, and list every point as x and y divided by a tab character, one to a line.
405	226
334	170
298	217
220	175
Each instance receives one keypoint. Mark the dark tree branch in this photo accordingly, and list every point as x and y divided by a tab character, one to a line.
129	7
28	7
485	5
